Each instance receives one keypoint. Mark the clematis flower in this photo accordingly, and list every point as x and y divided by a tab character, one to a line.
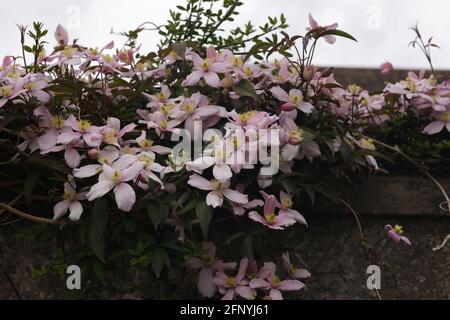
386	67
71	154
80	129
161	98
112	133
207	69
231	287
275	286
116	179
196	108
9	92
150	166
71	202
147	145
270	219
292	100
107	155
313	25
395	233
291	270
208	265
161	123
53	126
218	190
251	119
442	119
239	209
61	35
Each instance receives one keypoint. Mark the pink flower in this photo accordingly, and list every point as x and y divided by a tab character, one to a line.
395	233
196	108
239	209
10	91
313	25
53	124
116	179
291	270
80	129
161	123
61	35
274	285
293	99
208	264
251	119
71	154
386	67
160	99
231	287
71	202
270	219
147	145
207	69
107	155
219	190
112	133
442	120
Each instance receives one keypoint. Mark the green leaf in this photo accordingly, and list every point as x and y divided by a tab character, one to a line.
247	247
159	259
157	215
338	33
30	185
191	205
245	89
97	227
204	215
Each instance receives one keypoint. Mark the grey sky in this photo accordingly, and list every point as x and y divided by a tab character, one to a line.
381	26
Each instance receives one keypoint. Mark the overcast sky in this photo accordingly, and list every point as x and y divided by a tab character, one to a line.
381	26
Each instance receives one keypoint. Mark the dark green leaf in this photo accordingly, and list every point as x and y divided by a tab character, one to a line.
245	89
97	227
204	215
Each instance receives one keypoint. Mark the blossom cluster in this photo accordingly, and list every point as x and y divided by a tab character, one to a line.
250	113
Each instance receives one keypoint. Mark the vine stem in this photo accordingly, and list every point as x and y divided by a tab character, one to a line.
416	164
30	217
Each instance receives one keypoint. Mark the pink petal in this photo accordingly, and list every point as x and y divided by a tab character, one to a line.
212	79
199	182
205	283
280	94
125	196
99	189
259	284
290	285
60	209
434	127
275	294
222	172
192	79
246	292
269	205
72	157
214	199
87	171
76	209
132	172
235	196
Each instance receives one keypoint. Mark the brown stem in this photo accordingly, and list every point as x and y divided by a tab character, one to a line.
30	217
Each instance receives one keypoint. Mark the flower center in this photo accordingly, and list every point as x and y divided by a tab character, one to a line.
398	229
69	195
244	117
189	107
69	52
57	122
295	98
231	282
83	125
367	144
445	116
6	91
148	161
270	218
146	143
295	136
276	281
163	124
116	177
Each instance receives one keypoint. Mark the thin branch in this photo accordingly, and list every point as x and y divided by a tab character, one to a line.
30	217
